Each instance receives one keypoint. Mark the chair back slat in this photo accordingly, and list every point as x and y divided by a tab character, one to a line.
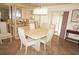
32	26
50	33
22	36
3	27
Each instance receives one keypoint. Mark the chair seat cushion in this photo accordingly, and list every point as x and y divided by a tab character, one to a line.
32	41
44	40
29	39
6	35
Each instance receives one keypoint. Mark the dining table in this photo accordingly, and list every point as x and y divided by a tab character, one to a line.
36	34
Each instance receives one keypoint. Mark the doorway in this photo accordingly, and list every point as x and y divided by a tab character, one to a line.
57	21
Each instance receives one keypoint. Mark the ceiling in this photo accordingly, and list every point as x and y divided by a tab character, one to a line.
32	5
43	4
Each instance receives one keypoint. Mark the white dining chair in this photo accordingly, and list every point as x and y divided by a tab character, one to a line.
48	38
26	41
4	32
32	26
44	25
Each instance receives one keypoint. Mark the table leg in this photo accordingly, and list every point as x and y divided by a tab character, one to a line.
0	41
66	35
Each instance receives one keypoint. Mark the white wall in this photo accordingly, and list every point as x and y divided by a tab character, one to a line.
70	25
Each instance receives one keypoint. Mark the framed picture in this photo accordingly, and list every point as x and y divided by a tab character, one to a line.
75	15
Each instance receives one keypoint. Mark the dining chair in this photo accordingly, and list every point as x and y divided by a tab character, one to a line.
44	25
32	26
47	39
4	32
25	41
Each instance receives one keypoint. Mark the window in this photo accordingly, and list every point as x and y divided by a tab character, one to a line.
40	11
18	13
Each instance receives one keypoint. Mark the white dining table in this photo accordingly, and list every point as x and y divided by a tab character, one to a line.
36	34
